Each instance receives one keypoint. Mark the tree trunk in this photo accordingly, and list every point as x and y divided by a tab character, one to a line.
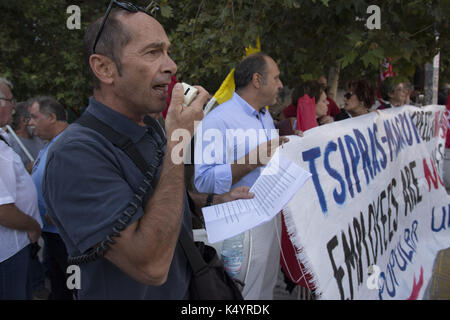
333	81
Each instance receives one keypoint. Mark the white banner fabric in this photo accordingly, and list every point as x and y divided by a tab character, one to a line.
375	213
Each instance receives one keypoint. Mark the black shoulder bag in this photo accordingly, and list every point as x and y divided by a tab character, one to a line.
209	281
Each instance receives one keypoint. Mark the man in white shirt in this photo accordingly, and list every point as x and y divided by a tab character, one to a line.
258	83
20	223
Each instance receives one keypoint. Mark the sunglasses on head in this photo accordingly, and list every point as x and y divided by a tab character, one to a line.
124	6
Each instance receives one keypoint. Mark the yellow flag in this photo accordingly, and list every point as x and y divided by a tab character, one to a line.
250	49
227	87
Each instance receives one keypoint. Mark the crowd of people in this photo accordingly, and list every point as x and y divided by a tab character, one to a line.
77	188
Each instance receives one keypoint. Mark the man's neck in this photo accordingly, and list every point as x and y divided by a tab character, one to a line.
112	103
251	98
59	127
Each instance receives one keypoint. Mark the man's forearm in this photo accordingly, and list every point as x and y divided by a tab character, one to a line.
164	211
13	218
238	171
145	249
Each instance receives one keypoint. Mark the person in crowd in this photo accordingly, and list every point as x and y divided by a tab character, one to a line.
33	144
446	98
24	132
393	93
312	106
288	117
20	223
312	109
48	118
333	109
290	112
257	83
89	183
409	89
358	101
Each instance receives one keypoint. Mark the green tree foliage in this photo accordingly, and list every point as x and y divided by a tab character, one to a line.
41	56
306	37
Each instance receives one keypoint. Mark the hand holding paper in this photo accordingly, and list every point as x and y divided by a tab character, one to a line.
275	187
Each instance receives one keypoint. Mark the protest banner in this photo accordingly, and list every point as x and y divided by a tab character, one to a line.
369	223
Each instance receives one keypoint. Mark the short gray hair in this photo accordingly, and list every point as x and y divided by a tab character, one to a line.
7	83
49	105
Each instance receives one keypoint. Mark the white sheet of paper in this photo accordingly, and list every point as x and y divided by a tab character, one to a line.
274	188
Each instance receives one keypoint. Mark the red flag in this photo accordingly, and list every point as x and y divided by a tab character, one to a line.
294	269
169	95
385	72
306	113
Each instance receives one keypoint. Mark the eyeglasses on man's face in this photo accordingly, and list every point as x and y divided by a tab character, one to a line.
122	5
12	100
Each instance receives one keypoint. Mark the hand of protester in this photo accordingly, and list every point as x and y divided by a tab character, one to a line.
299	133
326	119
49	220
29	166
34	233
234	194
179	117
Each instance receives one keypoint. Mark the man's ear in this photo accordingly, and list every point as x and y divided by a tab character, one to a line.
257	80
103	68
52	117
24	121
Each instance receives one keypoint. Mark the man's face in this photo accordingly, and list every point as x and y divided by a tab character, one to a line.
6	105
146	66
273	84
41	123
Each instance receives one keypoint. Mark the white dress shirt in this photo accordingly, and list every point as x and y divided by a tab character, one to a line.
16	187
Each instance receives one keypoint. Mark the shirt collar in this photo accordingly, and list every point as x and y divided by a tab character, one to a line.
115	120
248	108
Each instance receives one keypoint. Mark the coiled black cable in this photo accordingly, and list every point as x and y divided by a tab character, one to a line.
121	223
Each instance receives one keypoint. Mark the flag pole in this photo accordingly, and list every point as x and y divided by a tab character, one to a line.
19	142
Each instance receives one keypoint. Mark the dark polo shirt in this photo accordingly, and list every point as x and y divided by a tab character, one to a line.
88	183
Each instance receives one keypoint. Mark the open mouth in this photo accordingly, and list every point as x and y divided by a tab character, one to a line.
161	89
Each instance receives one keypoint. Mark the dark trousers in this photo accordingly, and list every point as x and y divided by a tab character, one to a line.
36	275
55	255
14	275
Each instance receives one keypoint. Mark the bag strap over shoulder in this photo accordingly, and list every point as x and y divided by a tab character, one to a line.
119	140
194	257
124	143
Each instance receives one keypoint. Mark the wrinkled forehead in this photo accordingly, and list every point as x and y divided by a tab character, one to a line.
272	66
144	29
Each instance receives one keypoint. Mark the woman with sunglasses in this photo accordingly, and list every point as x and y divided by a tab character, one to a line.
358	101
